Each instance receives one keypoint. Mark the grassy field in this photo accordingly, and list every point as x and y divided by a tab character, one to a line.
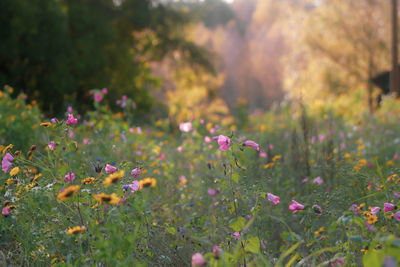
292	187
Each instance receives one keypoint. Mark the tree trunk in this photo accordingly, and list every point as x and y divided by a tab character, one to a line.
394	77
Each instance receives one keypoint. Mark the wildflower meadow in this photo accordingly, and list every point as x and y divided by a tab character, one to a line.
295	187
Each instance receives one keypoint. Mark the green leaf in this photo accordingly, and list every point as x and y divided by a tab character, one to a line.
171	230
238	224
235	177
373	258
253	245
356	238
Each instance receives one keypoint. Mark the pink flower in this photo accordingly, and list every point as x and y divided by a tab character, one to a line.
71	120
274	199
98	97
305	180
212	192
317	210
318	181
375	210
252	144
396	156
263	154
198	260
69	177
69	109
339	261
223	142
397	215
207	139
5	211
138	130
134	186
180	148
104	91
236	235
86	141
135	172
124	97
185	127
388	207
52	145
295	206
6	162
396	195
216	251
110	169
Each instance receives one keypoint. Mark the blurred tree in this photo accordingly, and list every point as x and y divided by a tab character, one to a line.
340	46
60	49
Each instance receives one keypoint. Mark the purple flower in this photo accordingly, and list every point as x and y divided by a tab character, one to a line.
318	181
236	235
98	97
110	169
6	162
274	199
252	144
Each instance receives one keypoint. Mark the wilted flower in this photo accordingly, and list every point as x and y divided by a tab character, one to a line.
295	206
317	210
252	144
274	199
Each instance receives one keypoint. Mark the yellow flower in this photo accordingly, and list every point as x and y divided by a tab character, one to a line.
147	182
275	158
75	230
347	156
362	162
88	180
45	124
114	177
372	219
392	177
269	165
356	168
14	171
7	148
390	163
67	193
104	198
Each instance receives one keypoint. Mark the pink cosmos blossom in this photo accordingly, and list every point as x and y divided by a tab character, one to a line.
161	156
104	91
354	208
134	186
305	180
69	109
375	210
86	141
396	195
252	144
274	199
397	215
71	120
118	102
52	145
318	181
135	172
138	130
198	260
321	138
185	127
388	207
124	97
6	162
5	211
236	235
213	131
313	139
201	121
69	177
180	148
212	192
223	142
263	154
70	133
207	139
98	97
110	169
54	120
295	206
396	156
271	146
